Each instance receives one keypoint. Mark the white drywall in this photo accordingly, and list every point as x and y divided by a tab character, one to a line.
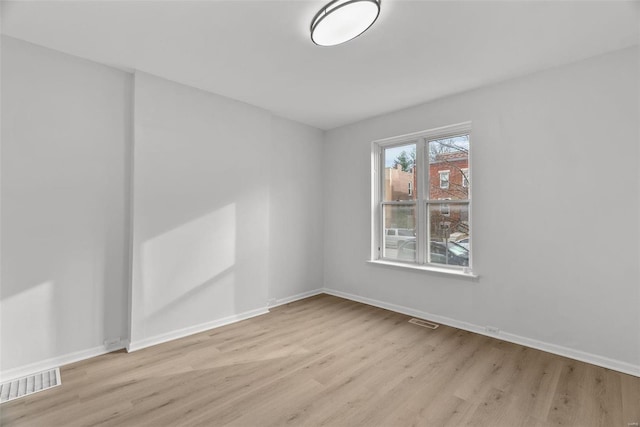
65	142
295	210
227	209
555	214
200	210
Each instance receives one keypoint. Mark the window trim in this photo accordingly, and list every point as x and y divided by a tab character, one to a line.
377	187
430	268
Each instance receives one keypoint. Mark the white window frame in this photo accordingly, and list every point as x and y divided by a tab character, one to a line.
422	203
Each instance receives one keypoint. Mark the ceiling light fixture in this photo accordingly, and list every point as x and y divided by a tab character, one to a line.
343	20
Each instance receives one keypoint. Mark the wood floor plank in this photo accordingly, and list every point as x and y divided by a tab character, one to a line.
329	361
630	387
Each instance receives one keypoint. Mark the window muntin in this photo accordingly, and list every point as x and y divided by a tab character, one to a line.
436	214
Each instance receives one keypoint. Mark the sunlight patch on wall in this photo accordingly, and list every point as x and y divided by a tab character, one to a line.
177	262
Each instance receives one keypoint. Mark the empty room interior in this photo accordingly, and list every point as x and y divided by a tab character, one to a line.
315	212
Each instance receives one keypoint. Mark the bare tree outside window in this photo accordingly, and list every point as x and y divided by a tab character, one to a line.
424	200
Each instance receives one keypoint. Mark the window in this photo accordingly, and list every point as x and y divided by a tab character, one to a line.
421	187
444	179
464	172
444	209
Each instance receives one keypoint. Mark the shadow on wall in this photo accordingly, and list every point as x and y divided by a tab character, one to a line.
34	309
182	263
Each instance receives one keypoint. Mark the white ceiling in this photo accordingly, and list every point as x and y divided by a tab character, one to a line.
260	52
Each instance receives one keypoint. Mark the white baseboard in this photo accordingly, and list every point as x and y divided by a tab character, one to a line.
181	333
54	362
582	356
296	297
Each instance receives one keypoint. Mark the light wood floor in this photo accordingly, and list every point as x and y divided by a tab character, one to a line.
329	361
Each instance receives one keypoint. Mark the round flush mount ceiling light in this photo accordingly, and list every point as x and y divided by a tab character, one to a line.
343	20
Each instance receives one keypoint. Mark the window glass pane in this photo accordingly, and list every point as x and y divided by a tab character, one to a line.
444	179
448	164
449	233
400	173
400	232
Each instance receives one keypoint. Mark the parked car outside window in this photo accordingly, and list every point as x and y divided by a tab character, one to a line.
449	253
393	237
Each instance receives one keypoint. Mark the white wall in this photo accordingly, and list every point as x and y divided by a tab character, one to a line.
227	210
216	207
556	207
296	210
65	141
230	205
201	204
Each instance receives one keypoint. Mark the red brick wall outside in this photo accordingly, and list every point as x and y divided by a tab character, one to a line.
456	190
442	226
397	188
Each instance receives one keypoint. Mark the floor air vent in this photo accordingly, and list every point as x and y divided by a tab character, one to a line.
30	384
423	323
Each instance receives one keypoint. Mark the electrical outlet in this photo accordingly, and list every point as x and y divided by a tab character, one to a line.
492	329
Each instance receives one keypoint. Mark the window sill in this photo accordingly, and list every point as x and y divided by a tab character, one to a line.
426	268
